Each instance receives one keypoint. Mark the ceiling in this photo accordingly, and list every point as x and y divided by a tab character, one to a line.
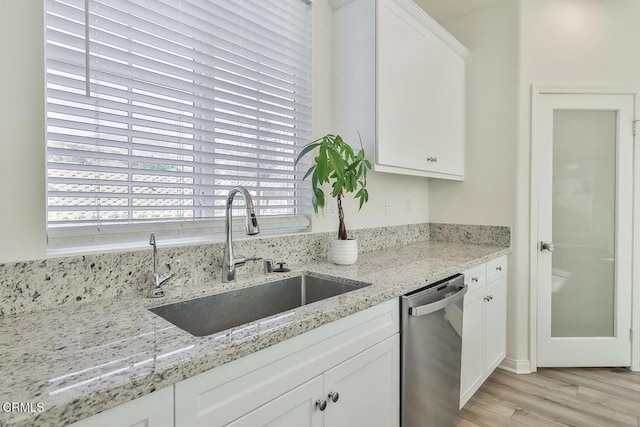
448	10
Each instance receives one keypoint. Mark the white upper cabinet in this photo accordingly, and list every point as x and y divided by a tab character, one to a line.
399	82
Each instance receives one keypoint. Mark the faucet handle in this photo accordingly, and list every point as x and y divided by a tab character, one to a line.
241	260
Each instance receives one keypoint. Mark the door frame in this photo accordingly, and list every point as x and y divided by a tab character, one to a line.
536	92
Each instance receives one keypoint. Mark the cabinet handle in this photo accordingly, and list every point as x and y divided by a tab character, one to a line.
488	298
499	268
334	396
432	159
474	279
321	404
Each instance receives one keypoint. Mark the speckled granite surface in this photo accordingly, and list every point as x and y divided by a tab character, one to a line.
476	234
85	358
36	285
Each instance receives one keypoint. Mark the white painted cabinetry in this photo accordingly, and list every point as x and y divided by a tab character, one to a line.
341	397
151	410
368	387
296	408
484	328
399	80
280	385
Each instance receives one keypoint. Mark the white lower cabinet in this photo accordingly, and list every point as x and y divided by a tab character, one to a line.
484	330
341	397
296	408
151	410
288	384
495	320
367	387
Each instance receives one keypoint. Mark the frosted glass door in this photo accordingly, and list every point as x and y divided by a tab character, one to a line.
584	250
583	223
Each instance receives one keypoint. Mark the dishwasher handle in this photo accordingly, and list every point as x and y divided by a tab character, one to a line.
438	305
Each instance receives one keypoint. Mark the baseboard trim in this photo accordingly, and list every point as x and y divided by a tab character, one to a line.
516	366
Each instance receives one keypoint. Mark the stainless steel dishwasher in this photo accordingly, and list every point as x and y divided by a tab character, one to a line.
431	351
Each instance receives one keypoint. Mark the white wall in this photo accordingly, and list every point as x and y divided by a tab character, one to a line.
488	193
570	42
22	149
22	163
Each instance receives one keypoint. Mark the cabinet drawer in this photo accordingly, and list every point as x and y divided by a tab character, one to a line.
496	269
475	278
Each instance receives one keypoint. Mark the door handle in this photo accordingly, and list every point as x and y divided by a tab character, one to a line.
546	246
438	305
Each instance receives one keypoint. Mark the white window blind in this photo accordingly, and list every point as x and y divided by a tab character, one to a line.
156	109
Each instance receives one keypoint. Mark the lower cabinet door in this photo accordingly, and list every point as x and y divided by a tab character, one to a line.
296	408
366	388
151	410
471	375
495	324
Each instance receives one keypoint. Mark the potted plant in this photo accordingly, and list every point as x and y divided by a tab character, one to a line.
337	164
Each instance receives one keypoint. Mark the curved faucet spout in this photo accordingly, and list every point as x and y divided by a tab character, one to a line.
251	227
230	261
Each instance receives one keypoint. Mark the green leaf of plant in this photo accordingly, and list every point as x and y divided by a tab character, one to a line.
336	162
309	172
305	150
321	170
320	199
353	181
336	188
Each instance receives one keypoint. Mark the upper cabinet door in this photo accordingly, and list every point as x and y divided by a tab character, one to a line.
420	94
403	92
398	85
445	109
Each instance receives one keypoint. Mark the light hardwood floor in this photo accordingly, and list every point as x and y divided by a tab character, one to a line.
581	397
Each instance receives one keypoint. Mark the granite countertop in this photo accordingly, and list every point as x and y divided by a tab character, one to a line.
77	361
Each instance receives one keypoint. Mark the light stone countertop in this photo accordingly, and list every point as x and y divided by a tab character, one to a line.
84	359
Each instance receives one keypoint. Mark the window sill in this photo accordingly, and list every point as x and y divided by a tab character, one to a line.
120	238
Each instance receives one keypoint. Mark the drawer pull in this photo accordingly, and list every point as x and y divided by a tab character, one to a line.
488	298
474	279
499	268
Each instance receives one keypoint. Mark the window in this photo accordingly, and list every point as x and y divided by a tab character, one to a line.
155	110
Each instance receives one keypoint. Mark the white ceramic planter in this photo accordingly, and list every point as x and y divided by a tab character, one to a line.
344	252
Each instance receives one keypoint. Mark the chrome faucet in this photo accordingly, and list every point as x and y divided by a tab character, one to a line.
159	279
231	261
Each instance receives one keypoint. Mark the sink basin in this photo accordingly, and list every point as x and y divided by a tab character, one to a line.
215	313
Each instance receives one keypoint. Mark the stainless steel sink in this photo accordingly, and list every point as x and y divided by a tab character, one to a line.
215	313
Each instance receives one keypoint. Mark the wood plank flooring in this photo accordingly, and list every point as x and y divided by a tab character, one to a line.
581	397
